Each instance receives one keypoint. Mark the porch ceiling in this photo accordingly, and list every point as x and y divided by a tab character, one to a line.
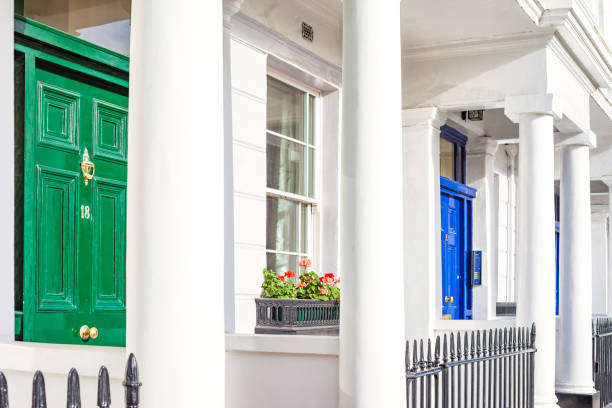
423	23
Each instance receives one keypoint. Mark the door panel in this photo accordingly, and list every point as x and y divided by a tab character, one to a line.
108	274
452	275
80	241
56	269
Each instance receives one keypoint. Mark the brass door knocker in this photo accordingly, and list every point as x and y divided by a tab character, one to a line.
87	167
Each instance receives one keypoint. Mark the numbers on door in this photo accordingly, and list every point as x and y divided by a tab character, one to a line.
85	212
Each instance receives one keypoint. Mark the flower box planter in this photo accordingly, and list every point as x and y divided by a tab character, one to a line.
297	316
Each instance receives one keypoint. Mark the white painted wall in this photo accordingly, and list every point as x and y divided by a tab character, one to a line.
249	90
7	320
599	239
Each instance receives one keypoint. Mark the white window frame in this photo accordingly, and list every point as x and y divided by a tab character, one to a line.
313	238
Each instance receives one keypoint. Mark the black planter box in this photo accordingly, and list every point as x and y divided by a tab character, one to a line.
297	316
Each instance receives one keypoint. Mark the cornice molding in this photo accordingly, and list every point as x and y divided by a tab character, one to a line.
481	146
432	117
256	35
479	46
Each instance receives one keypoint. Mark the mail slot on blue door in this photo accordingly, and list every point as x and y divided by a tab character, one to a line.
476	265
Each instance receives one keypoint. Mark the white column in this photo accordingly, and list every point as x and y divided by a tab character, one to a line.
512	151
574	371
371	367
480	163
421	184
599	248
536	226
608	180
175	214
230	7
7	177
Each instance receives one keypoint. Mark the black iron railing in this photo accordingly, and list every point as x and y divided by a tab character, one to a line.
489	369
73	398
602	358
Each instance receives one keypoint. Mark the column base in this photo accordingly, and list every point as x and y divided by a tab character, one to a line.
578	400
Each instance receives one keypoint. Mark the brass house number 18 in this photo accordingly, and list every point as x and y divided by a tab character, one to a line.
85	212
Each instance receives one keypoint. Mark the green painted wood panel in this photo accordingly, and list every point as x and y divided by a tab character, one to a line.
74	233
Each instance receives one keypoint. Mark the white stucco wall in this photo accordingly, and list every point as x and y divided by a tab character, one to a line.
7	322
599	239
249	70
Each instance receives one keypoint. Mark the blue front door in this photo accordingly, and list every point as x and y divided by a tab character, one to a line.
452	273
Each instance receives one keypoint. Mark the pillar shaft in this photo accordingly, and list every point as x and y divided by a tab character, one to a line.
371	261
536	245
175	211
574	365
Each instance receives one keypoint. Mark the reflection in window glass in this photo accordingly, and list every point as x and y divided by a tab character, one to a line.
103	22
447	159
290	157
286	165
285	109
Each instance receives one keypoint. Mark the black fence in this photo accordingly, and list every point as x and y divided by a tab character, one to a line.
73	398
487	369
602	358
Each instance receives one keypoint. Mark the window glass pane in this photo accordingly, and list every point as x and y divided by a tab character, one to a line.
311	172
285	165
283	218
103	22
281	263
305	210
311	119
285	109
447	159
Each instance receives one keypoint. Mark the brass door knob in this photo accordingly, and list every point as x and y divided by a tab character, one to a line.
87	333
87	167
448	299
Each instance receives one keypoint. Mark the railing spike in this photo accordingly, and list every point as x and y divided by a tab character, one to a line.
3	391
533	335
459	346
39	397
491	351
465	346
505	346
131	383
473	345
422	362
429	360
104	394
73	399
452	347
415	359
495	344
445	349
437	351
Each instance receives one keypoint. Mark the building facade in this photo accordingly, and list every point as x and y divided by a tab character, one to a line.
452	163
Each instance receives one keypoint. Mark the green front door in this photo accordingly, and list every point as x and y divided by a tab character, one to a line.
76	273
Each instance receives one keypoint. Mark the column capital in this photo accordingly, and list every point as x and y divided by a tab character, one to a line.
587	138
230	7
546	104
433	117
481	146
512	150
607	179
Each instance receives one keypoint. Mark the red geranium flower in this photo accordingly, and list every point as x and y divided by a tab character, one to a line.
290	274
300	285
321	279
305	263
280	278
329	275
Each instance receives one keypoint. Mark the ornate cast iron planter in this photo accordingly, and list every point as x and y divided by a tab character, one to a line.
297	316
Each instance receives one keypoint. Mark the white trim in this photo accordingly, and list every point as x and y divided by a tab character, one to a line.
59	358
290	196
271	343
291	81
291	139
256	35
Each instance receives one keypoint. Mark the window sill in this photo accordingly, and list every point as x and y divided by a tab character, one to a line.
271	343
60	358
